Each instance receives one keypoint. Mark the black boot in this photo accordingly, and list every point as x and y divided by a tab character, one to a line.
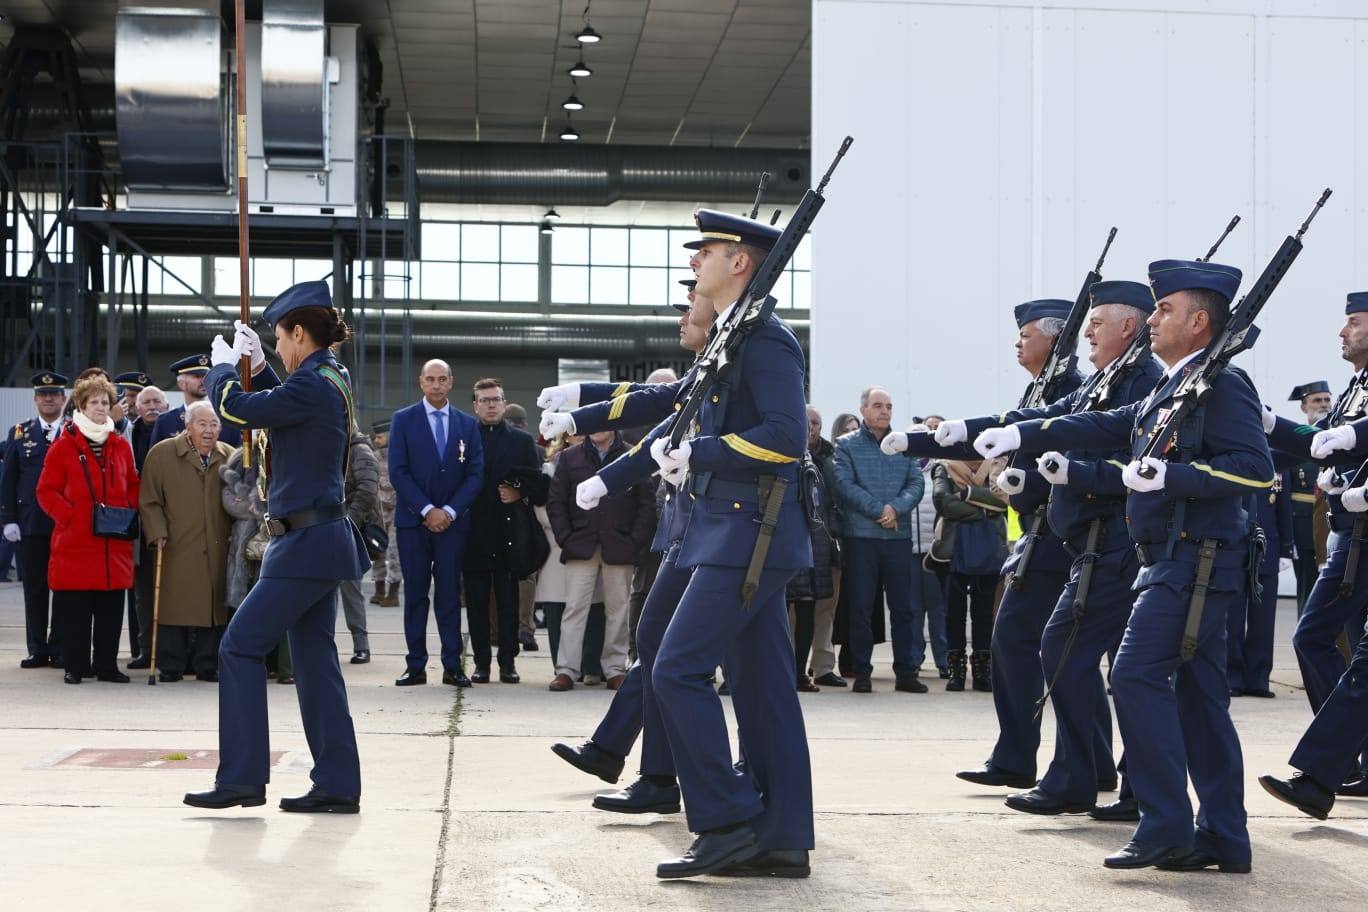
958	669
983	670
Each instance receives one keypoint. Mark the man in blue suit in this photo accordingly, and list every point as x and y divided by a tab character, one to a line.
24	521
1189	525
436	464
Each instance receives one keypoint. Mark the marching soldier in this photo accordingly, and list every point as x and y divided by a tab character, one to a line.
1249	641
25	522
1187	518
306	424
1315	404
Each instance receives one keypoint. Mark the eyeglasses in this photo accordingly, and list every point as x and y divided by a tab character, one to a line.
489	400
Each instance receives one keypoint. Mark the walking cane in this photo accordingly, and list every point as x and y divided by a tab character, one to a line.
156	610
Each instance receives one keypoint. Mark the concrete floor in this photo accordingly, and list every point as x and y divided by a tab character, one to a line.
465	807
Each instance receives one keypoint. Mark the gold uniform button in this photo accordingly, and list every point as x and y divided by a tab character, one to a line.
714	399
736	506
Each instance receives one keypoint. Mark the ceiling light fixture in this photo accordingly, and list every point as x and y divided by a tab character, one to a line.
568	133
573	104
546	227
580	70
552	215
587	35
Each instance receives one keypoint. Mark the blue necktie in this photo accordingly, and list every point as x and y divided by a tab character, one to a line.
440	433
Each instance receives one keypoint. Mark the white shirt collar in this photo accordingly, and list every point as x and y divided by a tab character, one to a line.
430	408
722	317
1173	371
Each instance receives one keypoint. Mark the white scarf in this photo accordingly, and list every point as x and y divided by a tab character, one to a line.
97	433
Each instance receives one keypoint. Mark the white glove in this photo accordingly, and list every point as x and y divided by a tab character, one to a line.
559	398
1012	481
1337	438
11	532
996	441
247	342
1060	474
553	424
590	492
1131	477
952	432
1354	500
894	442
220	352
676	476
1269	419
672	460
1284	563
1331	482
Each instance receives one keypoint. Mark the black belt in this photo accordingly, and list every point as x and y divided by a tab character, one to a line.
277	526
1112	525
744	492
1223	557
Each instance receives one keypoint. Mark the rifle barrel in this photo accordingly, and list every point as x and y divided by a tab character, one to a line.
1319	203
1111	236
840	154
760	193
1220	240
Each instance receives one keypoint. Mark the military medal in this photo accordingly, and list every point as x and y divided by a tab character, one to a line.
461	446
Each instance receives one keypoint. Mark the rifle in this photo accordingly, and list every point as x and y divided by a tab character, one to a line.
1044	389
1138	350
753	307
1238	335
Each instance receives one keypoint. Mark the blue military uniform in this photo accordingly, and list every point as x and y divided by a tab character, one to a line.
172	422
1249	641
1093	493
1174	714
28	447
307	420
1302	488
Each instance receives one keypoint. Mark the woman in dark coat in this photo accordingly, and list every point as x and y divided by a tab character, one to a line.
89	574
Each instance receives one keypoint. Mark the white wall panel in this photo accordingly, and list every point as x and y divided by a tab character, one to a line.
997	141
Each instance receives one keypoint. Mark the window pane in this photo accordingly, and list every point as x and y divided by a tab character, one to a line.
480	242
314	271
441	241
649	287
479	281
802	257
569	284
678	238
608	246
187	269
520	243
570	246
226	279
270	277
608	285
441	281
519	283
802	290
650	247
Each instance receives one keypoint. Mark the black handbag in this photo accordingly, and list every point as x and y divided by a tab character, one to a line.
376	539
110	522
528	547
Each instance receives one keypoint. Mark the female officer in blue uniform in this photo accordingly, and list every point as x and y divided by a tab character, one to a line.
306	422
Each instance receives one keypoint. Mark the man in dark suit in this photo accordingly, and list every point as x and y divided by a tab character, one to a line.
25	522
512	474
190	373
436	464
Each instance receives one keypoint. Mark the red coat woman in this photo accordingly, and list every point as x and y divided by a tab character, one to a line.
88	574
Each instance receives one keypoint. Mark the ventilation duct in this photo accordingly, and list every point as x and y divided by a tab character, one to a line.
294	83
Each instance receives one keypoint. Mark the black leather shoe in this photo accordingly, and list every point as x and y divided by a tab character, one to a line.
33	662
1135	855
56	661
528	642
481	676
411	677
71	677
209	676
223	796
1126	810
1038	802
862	685
317	802
139	664
456	678
1302	792
991	775
830	679
1198	861
910	685
360	657
1266	695
169	677
1107	785
592	759
509	676
775	863
112	677
641	797
1357	788
711	852
1237	691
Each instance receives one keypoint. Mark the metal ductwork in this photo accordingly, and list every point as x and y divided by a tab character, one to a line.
464	332
570	175
294	48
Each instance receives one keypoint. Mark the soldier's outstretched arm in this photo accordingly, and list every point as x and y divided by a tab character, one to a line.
1293	438
1233	429
270	404
635	465
647	404
1106	430
774	377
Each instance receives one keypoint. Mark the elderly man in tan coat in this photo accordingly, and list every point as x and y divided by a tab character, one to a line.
181	503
